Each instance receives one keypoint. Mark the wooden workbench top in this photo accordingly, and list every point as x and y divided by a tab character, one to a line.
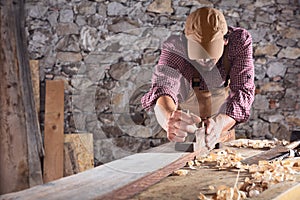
202	178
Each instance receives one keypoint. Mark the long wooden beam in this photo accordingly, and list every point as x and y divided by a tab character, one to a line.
119	179
21	146
153	177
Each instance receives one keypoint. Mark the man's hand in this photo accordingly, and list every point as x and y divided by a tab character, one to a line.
215	126
179	124
213	131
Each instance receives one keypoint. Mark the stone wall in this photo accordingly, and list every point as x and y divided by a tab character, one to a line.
105	52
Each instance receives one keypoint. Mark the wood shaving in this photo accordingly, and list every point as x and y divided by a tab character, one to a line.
191	164
180	172
261	176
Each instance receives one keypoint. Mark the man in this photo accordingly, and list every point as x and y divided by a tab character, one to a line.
195	71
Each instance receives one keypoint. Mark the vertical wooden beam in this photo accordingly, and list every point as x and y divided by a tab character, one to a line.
35	76
20	139
54	130
35	142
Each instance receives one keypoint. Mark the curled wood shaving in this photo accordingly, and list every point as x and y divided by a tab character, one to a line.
180	172
191	164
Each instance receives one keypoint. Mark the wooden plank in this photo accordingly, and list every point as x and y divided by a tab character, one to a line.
154	177
70	160
105	180
289	190
83	149
36	140
54	130
291	193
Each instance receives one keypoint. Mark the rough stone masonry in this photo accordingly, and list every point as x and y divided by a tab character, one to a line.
105	52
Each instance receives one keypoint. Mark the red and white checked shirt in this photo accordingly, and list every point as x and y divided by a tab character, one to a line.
174	72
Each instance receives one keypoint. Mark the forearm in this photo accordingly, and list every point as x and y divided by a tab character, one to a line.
163	108
227	121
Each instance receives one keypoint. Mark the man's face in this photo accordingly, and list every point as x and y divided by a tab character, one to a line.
207	64
198	53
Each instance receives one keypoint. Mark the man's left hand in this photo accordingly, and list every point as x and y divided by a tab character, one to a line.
215	126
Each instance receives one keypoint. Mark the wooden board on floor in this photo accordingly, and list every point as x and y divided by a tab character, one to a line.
54	130
83	148
70	160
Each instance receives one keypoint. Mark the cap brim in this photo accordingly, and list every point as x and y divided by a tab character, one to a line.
211	50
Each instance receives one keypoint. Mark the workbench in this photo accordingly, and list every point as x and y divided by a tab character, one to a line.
143	176
200	180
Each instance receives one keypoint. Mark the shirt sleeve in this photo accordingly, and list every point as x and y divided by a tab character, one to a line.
166	80
241	76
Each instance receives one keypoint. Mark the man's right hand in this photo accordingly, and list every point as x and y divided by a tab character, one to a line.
177	123
181	123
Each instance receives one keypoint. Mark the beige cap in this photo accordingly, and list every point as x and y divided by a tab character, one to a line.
205	29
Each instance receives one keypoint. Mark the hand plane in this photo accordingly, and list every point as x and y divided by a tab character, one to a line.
193	142
196	141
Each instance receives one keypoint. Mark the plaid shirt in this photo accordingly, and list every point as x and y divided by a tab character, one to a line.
174	72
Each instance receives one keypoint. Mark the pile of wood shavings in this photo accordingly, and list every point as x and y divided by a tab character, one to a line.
266	174
223	159
261	176
257	144
224	192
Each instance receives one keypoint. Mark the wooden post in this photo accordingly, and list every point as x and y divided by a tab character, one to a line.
20	138
54	130
35	76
